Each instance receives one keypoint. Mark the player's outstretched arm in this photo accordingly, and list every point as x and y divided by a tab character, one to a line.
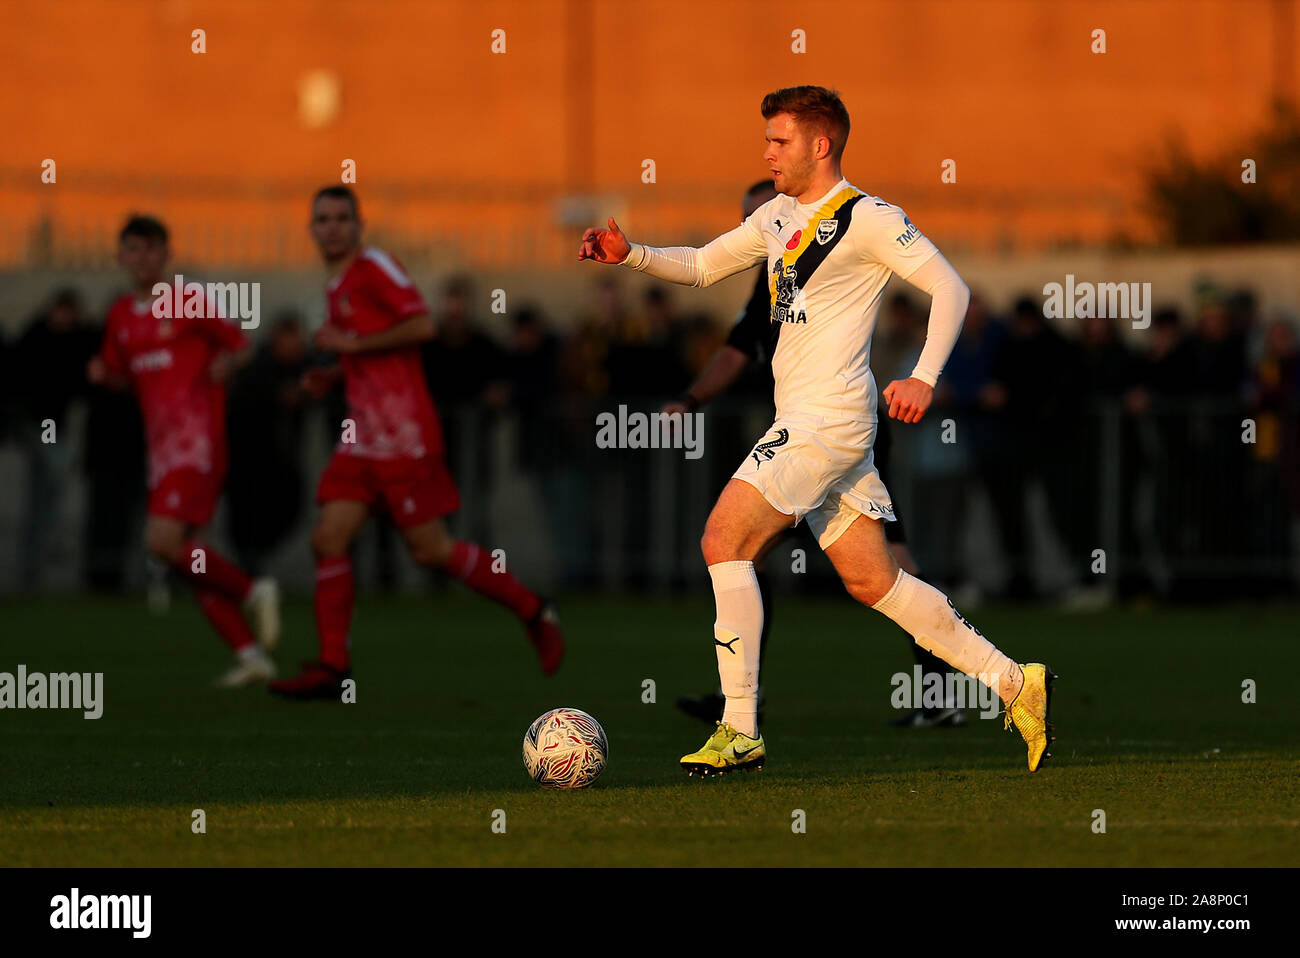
729	253
227	362
319	380
409	332
98	373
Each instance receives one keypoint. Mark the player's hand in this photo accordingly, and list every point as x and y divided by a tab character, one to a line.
675	408
318	381
331	339
908	399
605	246
96	371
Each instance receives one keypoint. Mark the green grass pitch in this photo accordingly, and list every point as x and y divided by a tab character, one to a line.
1149	717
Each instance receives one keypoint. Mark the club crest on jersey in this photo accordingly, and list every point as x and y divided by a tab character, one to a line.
826	231
787	295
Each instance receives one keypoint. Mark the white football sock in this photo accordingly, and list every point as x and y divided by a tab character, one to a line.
930	618
736	638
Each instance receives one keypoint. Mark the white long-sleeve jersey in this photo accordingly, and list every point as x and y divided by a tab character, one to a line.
828	262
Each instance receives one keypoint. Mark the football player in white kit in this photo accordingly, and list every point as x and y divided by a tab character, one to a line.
829	248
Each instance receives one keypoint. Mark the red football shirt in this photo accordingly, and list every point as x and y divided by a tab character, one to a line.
388	397
166	361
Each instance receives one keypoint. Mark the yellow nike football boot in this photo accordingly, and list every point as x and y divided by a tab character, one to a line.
1031	712
726	751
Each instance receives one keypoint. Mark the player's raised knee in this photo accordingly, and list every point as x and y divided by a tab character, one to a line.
870	589
715	548
164	542
436	555
433	550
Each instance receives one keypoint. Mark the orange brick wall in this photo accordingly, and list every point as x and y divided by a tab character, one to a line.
460	148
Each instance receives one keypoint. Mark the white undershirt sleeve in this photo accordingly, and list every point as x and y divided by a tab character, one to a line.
729	253
949	298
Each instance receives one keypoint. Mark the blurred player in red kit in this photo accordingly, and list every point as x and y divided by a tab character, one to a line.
177	366
390	453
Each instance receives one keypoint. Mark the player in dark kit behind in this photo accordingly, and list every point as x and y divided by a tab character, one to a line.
390	453
751	340
176	366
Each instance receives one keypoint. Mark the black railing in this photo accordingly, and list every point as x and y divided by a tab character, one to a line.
1195	499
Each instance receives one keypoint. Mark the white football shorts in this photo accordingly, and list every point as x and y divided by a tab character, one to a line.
821	469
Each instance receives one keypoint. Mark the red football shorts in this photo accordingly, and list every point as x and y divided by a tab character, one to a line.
188	495
413	491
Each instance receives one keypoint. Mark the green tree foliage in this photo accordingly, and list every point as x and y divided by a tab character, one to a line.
1204	202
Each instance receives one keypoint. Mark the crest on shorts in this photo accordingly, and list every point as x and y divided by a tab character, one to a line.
765	449
826	231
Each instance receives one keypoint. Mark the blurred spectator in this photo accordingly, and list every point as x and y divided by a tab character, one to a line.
1166	369
1107	497
467	375
551	443
1243	317
1108	367
1218	354
700	340
7	392
1134	449
1273	488
645	363
1275	390
937	459
583	363
115	484
47	368
462	364
584	387
1034	393
647	359
970	366
265	485
1166	380
1213	557
892	340
959	395
532	368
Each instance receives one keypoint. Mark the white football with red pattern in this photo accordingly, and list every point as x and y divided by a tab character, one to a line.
565	748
